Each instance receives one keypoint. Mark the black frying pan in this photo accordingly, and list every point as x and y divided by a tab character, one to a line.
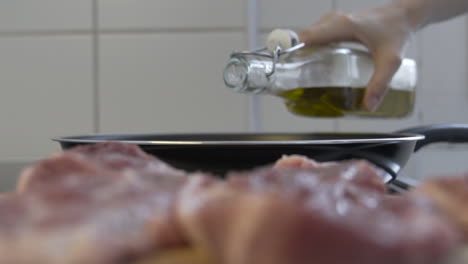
219	153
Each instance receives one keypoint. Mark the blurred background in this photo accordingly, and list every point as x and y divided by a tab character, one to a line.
72	67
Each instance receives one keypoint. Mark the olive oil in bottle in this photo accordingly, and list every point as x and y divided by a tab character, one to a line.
324	81
345	101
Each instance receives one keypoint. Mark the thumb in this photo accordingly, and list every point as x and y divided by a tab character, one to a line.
386	65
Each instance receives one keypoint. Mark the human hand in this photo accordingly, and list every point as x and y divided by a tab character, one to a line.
384	31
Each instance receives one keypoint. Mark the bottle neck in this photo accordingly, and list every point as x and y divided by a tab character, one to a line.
247	75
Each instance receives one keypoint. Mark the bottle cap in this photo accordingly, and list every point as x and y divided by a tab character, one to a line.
235	74
283	38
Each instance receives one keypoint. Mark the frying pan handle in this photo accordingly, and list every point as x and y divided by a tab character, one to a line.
453	133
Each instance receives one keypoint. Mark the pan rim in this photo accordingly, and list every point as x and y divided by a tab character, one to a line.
385	138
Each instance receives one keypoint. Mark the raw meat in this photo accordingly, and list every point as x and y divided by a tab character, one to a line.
111	203
96	204
321	214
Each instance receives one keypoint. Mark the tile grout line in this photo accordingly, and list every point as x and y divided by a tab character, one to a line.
336	122
466	55
118	31
174	30
95	67
253	13
47	33
420	66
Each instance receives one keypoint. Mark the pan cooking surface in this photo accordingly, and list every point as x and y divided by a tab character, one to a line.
221	153
244	138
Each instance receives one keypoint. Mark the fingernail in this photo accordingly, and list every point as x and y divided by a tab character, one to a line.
373	103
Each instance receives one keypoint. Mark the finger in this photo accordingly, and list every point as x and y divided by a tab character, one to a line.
326	17
386	65
331	28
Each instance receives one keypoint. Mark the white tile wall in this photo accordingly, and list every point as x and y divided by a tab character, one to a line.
169	82
46	91
444	55
292	14
185	14
31	15
437	162
444	106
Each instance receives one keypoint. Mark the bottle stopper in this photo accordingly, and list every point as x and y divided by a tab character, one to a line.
282	38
